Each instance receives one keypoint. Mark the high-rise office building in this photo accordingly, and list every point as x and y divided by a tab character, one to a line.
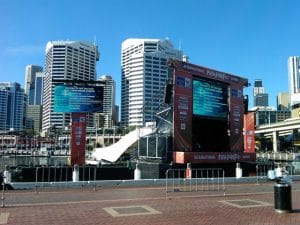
144	75
34	118
260	98
283	101
66	60
107	118
283	107
294	80
34	78
258	87
33	84
12	106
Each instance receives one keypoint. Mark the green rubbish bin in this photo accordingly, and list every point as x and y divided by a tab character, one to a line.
283	197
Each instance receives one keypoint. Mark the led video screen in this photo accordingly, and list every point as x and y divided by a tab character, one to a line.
68	99
210	99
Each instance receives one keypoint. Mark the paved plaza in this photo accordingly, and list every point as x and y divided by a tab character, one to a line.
243	203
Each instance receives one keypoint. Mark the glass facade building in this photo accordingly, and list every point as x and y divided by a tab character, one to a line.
144	75
66	60
259	96
108	118
34	84
12	107
294	80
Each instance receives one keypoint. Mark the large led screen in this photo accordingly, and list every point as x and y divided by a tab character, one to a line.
210	99
68	99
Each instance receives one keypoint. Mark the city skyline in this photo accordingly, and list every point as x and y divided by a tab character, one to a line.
252	39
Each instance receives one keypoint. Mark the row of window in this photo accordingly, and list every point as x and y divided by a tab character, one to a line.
156	70
156	84
155	79
155	66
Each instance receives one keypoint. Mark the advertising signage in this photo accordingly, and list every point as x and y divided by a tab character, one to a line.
69	99
208	113
78	137
210	99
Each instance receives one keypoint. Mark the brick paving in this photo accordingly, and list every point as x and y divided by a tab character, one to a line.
148	205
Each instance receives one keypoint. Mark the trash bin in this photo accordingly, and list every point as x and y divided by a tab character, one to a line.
282	197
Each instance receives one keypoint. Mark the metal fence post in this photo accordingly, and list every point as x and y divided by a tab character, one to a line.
43	176
60	174
257	174
2	195
224	189
196	180
49	171
36	179
166	190
95	170
55	174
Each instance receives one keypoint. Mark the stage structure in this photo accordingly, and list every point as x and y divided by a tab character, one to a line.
78	98
208	116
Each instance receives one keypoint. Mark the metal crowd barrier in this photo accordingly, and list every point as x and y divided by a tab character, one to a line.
194	180
45	176
262	170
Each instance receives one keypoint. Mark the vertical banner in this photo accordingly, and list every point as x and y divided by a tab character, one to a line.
236	118
78	136
249	136
182	116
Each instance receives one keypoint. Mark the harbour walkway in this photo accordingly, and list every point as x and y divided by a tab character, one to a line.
243	203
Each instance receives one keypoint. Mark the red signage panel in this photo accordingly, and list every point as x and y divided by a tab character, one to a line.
78	136
212	157
236	118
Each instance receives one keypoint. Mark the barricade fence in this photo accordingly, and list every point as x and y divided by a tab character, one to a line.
194	180
262	170
44	176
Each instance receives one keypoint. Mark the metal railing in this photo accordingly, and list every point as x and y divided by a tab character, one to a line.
281	156
194	180
45	176
262	170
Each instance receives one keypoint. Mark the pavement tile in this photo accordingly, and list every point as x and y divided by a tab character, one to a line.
85	206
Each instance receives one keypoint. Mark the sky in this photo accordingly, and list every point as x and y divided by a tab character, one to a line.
248	38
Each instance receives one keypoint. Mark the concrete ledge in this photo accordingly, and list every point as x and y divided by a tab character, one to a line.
134	183
124	183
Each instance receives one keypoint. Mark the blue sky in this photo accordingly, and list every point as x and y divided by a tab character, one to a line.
249	38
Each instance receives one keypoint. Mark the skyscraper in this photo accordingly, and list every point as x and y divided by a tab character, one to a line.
12	106
33	84
294	80
259	96
108	117
34	78
66	60
144	74
283	101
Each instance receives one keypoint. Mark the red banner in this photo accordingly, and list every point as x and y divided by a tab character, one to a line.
249	136
78	137
212	157
236	118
